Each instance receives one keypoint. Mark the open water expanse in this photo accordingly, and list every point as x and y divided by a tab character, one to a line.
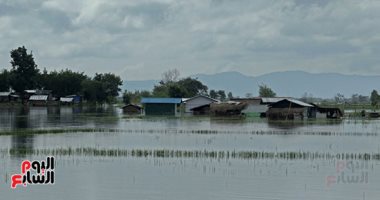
102	154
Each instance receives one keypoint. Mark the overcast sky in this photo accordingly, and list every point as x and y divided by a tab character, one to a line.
139	39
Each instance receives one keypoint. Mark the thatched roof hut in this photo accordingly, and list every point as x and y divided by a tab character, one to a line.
227	108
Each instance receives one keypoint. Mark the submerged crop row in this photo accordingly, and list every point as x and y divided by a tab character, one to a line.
166	153
182	131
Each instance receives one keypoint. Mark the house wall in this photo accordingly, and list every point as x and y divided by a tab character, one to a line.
160	109
196	102
251	108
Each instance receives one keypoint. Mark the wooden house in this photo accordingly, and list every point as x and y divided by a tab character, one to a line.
288	109
324	112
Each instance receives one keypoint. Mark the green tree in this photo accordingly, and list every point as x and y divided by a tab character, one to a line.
176	91
93	91
230	96
110	84
221	95
375	98
4	80
265	91
62	83
192	87
24	70
213	94
170	86
161	90
127	97
135	97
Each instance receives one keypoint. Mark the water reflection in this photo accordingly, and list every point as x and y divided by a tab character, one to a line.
24	117
294	124
21	143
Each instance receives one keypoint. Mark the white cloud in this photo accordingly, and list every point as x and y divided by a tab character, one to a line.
140	39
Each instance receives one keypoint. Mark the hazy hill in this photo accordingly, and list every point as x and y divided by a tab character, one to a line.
289	83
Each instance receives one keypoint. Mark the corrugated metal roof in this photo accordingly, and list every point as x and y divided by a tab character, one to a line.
200	96
38	98
66	99
161	100
300	102
3	94
272	99
295	101
30	91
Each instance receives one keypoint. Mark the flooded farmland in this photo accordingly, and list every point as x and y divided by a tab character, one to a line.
102	154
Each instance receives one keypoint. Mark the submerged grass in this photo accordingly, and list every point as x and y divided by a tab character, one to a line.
181	131
208	154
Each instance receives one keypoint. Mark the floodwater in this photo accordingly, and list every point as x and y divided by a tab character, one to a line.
102	154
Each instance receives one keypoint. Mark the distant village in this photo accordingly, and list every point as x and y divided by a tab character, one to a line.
282	108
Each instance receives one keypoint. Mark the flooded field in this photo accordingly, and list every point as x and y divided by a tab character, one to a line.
102	154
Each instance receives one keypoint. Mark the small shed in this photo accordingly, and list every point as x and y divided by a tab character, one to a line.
161	106
38	100
288	109
132	109
198	101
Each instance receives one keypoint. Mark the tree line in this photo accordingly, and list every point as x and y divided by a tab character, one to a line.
25	75
171	85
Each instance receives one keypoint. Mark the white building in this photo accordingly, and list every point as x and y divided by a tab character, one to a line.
197	101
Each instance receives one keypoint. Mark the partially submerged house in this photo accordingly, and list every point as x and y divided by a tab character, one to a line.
132	109
39	98
197	101
230	108
324	112
161	106
70	99
254	106
288	109
5	96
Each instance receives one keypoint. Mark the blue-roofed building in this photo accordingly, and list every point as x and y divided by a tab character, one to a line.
161	106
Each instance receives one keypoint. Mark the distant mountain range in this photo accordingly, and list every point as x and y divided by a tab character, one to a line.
288	83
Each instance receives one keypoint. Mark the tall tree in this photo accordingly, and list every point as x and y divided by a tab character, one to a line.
375	98
24	70
110	83
265	91
93	91
192	87
62	83
175	91
4	80
213	94
230	96
221	95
